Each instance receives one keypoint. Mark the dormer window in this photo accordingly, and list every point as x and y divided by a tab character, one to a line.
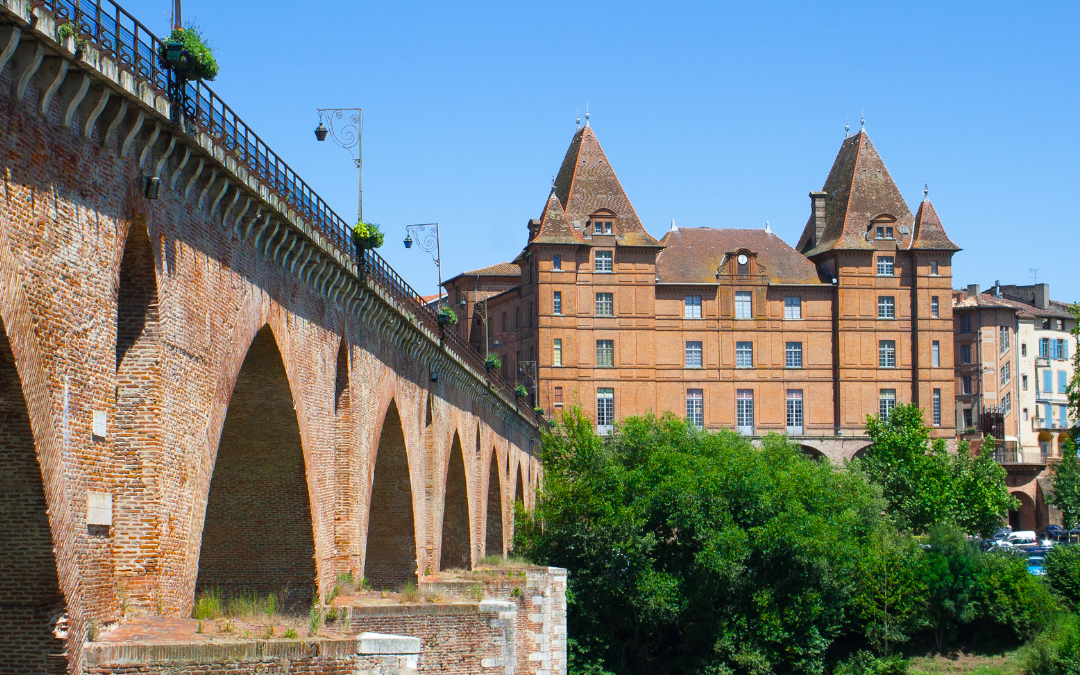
884	232
601	227
602	222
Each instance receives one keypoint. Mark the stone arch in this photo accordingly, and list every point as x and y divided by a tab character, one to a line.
813	453
344	505
456	543
1062	442
519	490
1023	518
1046	443
860	453
135	432
31	601
493	538
390	553
257	529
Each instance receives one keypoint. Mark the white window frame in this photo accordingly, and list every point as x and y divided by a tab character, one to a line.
695	407
744	411
937	408
793	355
886	307
935	307
607	266
886	402
605	351
605	410
609	301
692	307
556	303
886	353
556	349
935	354
933	268
556	262
792	307
694	354
794	409
744	305
886	266
744	354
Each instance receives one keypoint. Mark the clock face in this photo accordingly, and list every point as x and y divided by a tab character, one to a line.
742	259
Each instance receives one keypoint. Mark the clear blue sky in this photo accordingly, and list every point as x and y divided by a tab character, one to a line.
714	114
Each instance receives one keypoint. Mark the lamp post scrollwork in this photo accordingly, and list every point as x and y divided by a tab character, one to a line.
427	240
344	126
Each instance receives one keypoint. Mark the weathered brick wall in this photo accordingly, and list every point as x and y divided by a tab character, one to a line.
182	316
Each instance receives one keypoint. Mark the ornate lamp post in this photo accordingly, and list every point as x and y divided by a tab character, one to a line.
344	127
427	240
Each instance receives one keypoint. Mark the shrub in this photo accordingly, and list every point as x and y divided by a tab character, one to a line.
1010	603
1056	651
196	58
1063	572
865	663
368	235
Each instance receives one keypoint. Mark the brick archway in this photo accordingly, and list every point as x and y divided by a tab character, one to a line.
493	538
390	553
257	532
456	543
30	596
1024	518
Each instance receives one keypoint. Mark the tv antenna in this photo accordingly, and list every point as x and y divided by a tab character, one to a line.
1034	274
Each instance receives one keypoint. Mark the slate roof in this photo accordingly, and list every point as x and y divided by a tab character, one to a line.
929	232
586	183
859	188
554	227
693	255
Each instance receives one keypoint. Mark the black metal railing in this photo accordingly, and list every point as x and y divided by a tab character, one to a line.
121	37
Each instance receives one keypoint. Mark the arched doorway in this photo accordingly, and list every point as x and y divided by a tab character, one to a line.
1046	444
30	598
257	535
1024	517
456	543
493	539
390	558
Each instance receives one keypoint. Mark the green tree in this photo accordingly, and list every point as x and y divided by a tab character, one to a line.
692	551
1062	565
1073	389
1065	485
890	596
927	485
950	568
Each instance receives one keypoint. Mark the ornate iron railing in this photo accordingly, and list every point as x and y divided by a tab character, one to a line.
121	37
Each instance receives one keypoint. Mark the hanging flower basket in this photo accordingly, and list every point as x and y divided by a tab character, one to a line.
366	236
538	411
492	362
446	317
520	391
188	55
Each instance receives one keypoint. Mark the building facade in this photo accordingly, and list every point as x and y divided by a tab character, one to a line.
731	328
1013	364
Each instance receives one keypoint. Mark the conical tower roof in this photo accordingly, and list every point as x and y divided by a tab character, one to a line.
554	227
929	232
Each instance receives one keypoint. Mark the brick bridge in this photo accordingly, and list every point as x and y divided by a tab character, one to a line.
209	388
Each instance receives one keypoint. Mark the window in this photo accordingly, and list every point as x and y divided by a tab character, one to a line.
605	304
794	412
1006	374
793	307
744	411
965	353
517	318
886	402
1024	415
1006	404
695	413
1023	349
531	313
504	322
965	384
556	262
744	306
793	355
935	307
1053	348
1023	382
1004	340
692	307
937	407
1062	384
887	354
1059	324
556	302
605	353
884	232
605	410
744	354
965	323
1063	415
886	307
601	227
1044	347
556	359
1048	382
558	396
885	266
693	354
935	354
933	268
969	418
604	261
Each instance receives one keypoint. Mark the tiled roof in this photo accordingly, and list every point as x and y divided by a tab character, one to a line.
929	232
693	255
554	227
503	269
987	299
859	188
586	183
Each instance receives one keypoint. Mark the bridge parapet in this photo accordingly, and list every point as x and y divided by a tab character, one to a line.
108	74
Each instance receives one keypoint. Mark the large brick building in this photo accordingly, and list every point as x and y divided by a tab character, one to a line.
732	328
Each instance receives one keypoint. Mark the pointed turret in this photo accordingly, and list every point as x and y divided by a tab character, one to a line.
586	184
554	227
929	232
858	191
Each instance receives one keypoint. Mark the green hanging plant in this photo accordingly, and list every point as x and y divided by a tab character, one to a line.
538	411
447	317
367	235
492	362
188	54
521	391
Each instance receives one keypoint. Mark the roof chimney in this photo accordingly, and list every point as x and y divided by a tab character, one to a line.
817	210
1042	296
972	290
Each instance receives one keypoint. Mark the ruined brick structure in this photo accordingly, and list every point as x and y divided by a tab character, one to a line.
731	328
208	387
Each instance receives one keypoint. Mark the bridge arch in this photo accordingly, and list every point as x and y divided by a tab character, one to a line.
258	533
493	528
390	555
456	548
1024	518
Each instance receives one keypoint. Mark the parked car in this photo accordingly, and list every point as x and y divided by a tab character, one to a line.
1035	565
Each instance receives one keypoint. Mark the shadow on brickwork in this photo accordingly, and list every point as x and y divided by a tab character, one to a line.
456	543
494	537
257	536
30	598
390	558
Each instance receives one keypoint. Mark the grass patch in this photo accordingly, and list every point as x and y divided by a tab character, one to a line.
500	561
410	593
960	663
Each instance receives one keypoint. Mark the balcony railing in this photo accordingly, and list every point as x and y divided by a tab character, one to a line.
121	37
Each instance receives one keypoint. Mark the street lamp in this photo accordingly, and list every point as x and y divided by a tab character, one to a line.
346	132
427	240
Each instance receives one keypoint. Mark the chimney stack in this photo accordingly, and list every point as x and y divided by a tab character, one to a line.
1042	295
972	290
817	210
